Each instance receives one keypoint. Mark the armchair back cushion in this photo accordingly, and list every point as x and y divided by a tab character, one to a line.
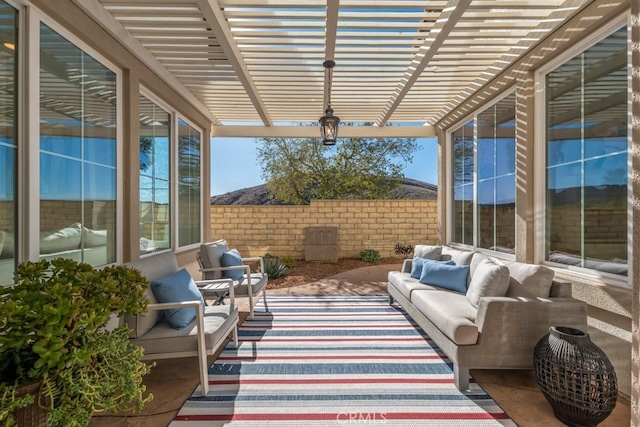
210	254
152	267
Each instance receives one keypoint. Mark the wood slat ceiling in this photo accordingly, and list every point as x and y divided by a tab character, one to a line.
396	61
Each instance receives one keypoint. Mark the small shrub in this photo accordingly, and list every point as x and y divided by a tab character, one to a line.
403	250
370	255
288	261
273	267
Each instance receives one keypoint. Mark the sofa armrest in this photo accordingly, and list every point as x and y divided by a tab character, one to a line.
527	319
560	288
406	265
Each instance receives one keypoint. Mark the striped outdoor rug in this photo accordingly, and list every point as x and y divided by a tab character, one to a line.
335	360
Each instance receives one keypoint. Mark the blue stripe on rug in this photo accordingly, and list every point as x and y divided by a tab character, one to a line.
305	362
395	396
328	368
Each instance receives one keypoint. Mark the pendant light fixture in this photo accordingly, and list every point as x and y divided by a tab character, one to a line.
329	123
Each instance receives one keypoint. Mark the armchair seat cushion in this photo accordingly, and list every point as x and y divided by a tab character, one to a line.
163	338
258	282
450	312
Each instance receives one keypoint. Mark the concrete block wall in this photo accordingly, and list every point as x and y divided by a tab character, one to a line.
362	224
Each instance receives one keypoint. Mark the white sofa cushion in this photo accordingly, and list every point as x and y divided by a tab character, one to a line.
458	256
489	279
65	239
92	238
529	280
7	243
407	284
428	252
450	312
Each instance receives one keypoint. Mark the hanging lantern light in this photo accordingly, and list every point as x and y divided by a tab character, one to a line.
329	123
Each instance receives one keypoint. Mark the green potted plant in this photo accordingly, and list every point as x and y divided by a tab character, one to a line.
57	358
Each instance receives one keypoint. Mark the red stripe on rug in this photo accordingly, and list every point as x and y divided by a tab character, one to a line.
350	339
340	381
350	357
346	417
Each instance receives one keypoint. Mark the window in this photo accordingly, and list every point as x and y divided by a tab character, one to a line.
77	153
189	205
463	164
586	158
483	177
8	141
496	159
155	184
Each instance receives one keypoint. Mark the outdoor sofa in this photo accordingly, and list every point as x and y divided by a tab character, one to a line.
495	318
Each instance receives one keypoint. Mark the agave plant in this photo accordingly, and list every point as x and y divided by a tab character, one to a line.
273	266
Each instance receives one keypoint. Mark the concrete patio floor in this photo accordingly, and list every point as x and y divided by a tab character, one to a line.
173	380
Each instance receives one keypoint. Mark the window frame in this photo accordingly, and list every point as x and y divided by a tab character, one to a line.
30	173
540	153
449	178
177	118
147	93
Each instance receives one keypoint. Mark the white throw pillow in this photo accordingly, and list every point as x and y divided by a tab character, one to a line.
529	280
489	280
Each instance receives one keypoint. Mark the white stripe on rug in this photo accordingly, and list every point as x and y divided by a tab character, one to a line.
335	360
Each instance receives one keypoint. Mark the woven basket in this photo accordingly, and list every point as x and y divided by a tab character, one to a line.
32	415
575	376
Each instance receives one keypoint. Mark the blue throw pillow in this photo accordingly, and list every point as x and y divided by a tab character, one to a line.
178	287
418	262
232	259
452	277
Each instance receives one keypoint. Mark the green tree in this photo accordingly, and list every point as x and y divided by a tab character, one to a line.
297	170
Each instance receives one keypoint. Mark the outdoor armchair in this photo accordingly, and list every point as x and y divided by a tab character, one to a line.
213	259
203	337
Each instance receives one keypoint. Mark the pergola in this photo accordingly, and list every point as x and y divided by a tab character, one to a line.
411	68
260	61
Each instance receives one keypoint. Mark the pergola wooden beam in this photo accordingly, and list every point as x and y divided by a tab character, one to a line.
219	26
444	25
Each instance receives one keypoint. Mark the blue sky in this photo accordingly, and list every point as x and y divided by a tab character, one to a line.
234	164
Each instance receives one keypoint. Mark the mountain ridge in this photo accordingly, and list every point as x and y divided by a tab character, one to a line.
411	189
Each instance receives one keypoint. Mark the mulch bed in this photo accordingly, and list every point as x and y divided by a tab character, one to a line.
309	271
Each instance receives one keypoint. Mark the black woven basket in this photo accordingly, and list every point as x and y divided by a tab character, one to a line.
575	376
